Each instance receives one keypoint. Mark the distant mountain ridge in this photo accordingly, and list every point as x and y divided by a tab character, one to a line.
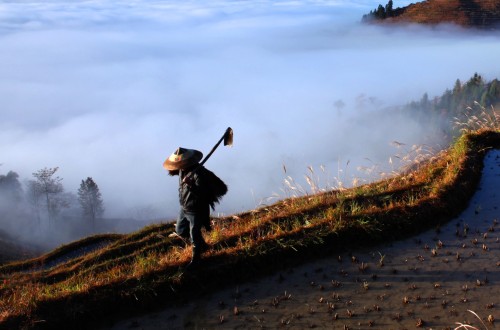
484	14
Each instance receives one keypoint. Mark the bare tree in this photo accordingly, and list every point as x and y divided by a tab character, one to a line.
49	189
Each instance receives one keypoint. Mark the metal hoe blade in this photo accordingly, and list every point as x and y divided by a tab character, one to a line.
228	137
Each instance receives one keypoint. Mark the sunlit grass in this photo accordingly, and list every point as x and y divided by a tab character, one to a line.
477	119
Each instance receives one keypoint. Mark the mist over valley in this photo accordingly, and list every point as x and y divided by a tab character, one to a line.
109	89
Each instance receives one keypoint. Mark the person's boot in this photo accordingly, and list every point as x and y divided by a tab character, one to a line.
207	225
195	259
197	252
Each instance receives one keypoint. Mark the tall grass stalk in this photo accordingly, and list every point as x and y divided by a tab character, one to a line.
470	327
477	118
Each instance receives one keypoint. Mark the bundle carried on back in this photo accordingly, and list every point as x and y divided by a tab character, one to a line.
216	188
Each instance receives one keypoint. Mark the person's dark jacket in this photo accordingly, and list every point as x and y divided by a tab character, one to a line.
202	189
193	193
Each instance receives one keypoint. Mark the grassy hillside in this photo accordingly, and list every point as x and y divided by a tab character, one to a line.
11	250
476	13
106	276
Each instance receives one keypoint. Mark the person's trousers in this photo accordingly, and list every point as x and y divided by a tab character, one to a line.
189	224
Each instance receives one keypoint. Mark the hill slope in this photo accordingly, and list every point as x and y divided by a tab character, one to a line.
11	250
130	273
468	13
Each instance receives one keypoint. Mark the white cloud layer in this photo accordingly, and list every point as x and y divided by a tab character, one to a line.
109	89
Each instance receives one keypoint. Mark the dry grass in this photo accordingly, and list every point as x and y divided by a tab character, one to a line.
470	327
132	272
478	119
479	13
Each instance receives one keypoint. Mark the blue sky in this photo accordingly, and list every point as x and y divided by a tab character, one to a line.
109	89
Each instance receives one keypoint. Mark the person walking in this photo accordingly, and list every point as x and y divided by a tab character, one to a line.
199	189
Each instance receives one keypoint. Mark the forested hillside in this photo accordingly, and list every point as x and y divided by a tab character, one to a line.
469	13
459	104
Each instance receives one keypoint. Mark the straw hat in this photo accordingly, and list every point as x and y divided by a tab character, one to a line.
182	158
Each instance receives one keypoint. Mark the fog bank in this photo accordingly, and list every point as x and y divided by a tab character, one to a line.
108	89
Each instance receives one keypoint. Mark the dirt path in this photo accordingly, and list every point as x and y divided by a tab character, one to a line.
429	282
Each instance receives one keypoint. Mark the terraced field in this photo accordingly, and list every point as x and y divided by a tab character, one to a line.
105	277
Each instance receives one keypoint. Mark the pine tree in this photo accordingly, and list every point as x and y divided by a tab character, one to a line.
457	89
473	89
389	9
446	100
380	13
494	90
485	99
90	200
424	102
